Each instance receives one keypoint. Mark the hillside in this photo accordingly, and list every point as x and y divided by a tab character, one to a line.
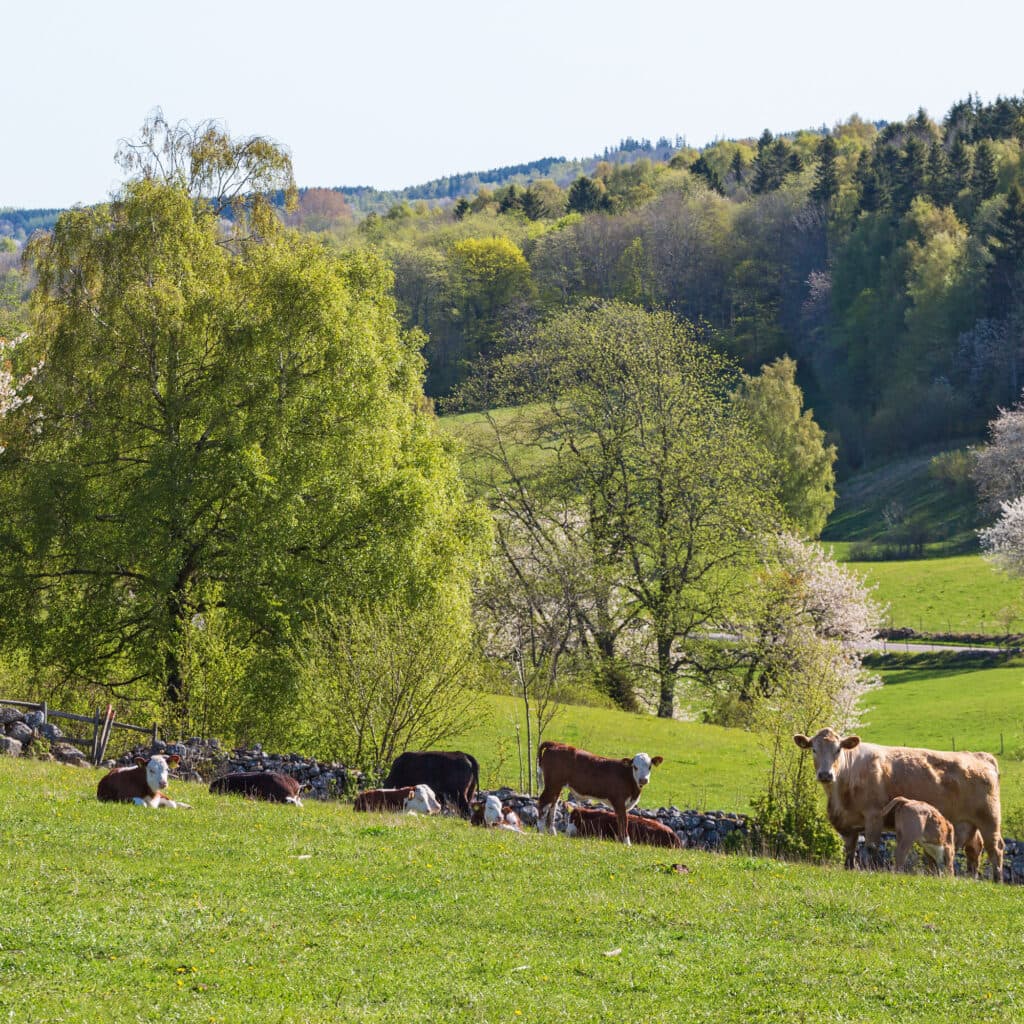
234	911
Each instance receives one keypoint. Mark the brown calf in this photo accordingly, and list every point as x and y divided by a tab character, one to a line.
275	787
419	798
918	822
600	824
142	783
588	776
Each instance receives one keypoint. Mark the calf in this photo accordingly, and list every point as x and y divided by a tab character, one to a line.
601	824
275	787
491	813
408	799
860	779
918	822
141	783
453	776
615	782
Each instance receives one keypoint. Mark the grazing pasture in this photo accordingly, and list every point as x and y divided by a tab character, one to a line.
961	594
241	910
710	768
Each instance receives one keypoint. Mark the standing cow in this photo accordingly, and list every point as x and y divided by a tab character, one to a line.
860	779
453	775
614	781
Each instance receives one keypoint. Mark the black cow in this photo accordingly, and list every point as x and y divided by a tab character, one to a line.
451	774
276	787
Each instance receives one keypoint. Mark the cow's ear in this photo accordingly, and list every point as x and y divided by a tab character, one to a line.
628	761
173	759
657	760
141	762
850	742
802	741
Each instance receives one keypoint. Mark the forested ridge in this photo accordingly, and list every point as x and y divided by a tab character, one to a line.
885	260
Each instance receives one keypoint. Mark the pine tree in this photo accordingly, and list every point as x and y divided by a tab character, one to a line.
984	179
826	181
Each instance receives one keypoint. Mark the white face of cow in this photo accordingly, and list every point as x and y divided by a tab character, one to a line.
157	773
492	810
642	765
826	747
422	801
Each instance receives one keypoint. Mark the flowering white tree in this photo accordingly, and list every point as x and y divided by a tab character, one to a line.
800	651
12	385
999	465
1003	543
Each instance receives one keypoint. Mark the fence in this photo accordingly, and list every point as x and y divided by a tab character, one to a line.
102	723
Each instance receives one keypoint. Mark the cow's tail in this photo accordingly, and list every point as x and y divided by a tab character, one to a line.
891	806
476	772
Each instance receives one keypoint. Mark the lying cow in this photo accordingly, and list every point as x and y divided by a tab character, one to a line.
861	778
918	822
403	800
275	787
617	782
453	775
491	813
142	783
600	824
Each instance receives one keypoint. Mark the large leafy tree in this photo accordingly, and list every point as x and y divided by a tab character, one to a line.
229	420
637	428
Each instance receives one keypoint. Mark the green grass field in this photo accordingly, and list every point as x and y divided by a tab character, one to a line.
961	594
236	911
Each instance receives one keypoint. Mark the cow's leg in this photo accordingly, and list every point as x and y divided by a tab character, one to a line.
546	804
873	839
966	837
994	847
850	845
949	849
902	852
622	823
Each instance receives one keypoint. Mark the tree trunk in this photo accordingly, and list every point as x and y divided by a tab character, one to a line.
666	678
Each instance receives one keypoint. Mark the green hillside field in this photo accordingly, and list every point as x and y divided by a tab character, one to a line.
236	911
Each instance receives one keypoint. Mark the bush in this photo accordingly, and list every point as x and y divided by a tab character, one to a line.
793	825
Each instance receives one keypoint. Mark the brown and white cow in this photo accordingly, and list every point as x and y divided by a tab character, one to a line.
142	783
861	778
275	787
617	782
600	824
404	799
918	822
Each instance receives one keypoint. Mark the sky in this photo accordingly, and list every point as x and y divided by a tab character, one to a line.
392	94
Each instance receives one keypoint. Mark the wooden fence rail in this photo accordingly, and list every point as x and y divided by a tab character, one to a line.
102	722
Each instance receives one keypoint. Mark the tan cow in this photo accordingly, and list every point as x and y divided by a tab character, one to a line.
918	822
861	778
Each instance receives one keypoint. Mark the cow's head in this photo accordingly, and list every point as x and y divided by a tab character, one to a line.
421	801
492	811
826	747
642	765
157	770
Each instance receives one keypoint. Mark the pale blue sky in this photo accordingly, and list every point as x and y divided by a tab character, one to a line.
392	94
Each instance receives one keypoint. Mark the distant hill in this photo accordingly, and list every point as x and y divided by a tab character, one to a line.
364	199
19	224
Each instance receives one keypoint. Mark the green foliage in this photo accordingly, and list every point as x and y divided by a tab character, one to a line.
668	482
790	817
224	422
802	461
376	681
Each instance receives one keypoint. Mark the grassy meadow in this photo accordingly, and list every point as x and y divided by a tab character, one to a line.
959	594
238	911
